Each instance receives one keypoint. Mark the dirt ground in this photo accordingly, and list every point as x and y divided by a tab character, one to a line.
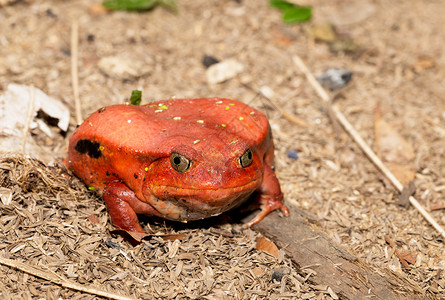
57	225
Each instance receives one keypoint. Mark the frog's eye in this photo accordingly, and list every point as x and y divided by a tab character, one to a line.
179	162
246	159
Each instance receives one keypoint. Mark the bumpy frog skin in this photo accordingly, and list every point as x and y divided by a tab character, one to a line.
179	159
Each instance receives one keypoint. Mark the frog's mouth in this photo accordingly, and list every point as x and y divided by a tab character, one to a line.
186	204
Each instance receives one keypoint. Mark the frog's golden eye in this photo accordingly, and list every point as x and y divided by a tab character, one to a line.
246	159
179	162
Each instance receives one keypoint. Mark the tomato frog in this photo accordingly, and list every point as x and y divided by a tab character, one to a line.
178	159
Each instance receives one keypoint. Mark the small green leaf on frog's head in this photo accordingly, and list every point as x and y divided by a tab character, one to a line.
136	97
91	188
292	13
139	5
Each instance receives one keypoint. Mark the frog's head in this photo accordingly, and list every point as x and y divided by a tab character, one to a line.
204	178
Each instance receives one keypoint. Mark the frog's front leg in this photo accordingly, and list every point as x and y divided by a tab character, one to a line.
123	206
270	198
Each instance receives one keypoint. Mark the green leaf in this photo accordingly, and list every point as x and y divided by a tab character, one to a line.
292	13
136	97
281	4
297	14
130	4
138	5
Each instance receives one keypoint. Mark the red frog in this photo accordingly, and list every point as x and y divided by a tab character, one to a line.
179	159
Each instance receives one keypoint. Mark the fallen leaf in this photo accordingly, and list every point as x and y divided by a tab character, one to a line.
423	63
391	145
258	271
173	236
324	32
93	219
23	105
404	256
136	236
404	173
393	149
437	206
409	256
265	245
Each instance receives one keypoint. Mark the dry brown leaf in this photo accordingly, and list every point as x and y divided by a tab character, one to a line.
404	173
173	236
391	146
393	149
408	256
136	236
424	63
324	32
258	271
437	206
404	256
93	219
264	244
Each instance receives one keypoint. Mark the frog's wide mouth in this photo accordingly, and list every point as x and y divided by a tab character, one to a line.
183	204
250	185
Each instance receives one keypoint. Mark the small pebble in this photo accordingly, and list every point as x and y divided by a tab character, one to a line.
111	244
292	154
277	276
208	60
223	71
334	78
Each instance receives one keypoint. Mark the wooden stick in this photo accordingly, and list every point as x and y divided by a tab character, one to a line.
54	278
362	144
74	69
29	117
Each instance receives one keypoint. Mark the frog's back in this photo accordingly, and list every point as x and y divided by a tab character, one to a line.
133	136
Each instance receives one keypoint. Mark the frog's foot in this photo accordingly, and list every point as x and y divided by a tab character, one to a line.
268	205
123	206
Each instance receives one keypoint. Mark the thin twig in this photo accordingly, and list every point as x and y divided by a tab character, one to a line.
293	119
29	117
362	144
74	69
29	269
288	116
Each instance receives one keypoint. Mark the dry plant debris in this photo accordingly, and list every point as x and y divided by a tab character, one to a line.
405	256
53	228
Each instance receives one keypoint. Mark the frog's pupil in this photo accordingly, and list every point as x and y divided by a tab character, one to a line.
177	160
249	155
